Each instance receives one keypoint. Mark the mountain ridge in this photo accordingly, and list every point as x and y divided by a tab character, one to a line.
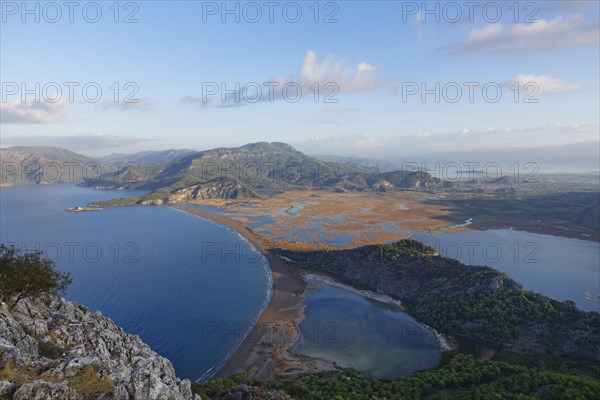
47	165
261	169
148	157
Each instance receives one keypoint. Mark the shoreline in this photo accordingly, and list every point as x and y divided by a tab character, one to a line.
267	352
267	349
381	298
367	294
214	370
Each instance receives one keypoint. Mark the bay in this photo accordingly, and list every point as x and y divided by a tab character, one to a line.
188	287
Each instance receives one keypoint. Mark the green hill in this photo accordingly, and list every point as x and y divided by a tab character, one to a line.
262	169
46	165
477	303
148	157
252	170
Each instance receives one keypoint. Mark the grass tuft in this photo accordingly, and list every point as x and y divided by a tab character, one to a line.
90	385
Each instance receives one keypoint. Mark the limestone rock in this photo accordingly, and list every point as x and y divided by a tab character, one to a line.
51	343
42	390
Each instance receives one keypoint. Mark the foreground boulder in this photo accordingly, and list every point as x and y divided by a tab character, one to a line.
51	348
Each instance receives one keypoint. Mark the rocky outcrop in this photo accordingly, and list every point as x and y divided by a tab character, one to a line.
44	390
153	202
411	180
221	188
51	348
382	186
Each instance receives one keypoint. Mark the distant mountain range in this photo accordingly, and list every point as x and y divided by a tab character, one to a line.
578	157
148	157
381	165
254	170
258	169
46	165
248	171
24	164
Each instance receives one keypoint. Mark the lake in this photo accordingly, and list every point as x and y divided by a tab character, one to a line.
188	287
377	339
559	267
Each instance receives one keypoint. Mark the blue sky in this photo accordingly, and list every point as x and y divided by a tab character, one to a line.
373	54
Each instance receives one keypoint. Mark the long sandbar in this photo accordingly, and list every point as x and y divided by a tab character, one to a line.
284	308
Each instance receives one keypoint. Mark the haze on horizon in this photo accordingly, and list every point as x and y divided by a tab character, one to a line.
378	79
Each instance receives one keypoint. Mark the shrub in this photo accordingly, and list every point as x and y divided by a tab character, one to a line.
28	275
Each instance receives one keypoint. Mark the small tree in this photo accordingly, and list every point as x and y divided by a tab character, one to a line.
28	275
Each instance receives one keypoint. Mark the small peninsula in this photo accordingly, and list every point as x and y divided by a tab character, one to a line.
83	209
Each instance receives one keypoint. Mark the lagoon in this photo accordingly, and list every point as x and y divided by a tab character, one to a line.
376	339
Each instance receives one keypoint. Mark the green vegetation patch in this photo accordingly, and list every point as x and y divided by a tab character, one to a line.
464	377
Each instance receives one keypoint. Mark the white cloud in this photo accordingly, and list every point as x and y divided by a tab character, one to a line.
323	121
489	32
17	112
140	105
361	78
331	76
196	101
544	35
43	112
546	84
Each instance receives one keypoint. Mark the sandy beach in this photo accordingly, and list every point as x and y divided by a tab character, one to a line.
367	294
266	352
